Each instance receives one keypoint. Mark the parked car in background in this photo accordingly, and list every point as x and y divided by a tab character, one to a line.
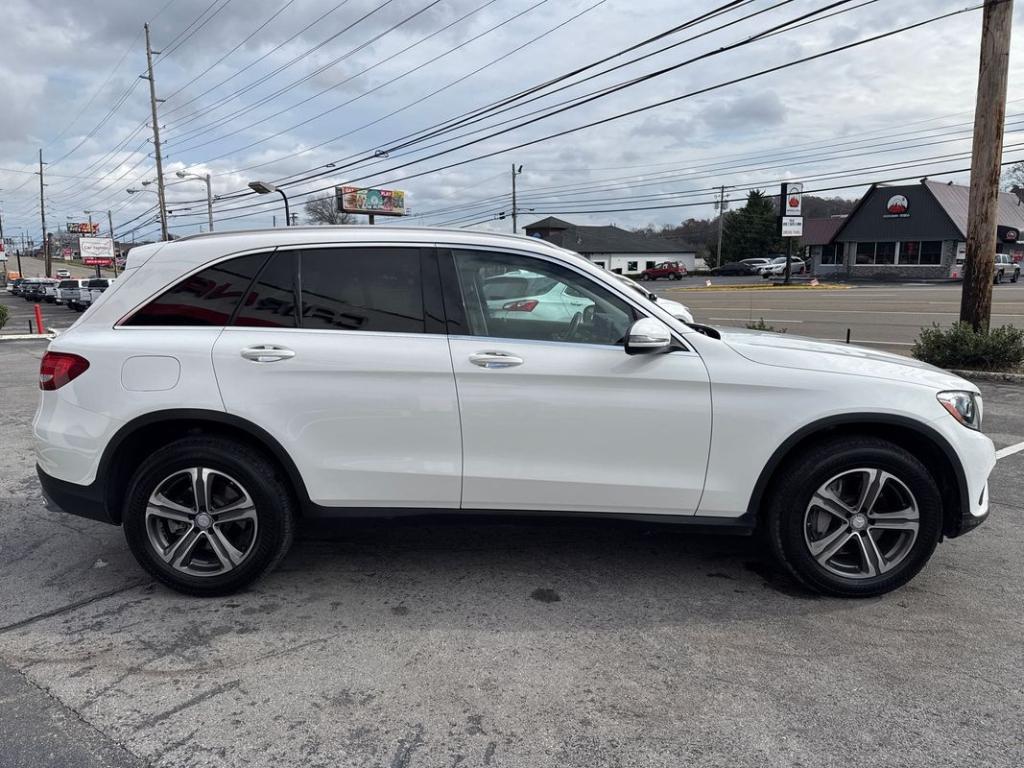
67	290
63	273
734	268
50	291
34	288
89	292
777	268
679	311
14	286
670	270
523	295
1006	269
214	398
757	263
98	285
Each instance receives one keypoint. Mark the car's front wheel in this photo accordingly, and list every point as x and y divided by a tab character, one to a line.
854	517
208	516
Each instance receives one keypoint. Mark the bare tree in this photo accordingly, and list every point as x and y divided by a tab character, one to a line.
323	210
1013	180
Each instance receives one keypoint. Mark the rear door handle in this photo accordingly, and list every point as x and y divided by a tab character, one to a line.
495	360
267	353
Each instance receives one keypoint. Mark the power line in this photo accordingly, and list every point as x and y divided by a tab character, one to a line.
638	110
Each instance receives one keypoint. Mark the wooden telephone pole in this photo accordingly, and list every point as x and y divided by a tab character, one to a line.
986	164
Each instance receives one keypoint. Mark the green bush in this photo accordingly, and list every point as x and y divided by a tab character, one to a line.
761	325
960	346
3	315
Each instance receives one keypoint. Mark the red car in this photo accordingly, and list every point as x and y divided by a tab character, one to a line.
669	269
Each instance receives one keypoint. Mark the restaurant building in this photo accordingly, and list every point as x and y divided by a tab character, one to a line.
911	231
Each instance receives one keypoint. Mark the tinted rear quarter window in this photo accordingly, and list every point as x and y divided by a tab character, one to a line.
208	297
362	289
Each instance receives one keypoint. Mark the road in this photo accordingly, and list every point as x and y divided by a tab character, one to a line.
501	643
887	317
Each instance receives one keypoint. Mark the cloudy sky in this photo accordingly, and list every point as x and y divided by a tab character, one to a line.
313	93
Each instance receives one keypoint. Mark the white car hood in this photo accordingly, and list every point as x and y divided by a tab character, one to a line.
810	354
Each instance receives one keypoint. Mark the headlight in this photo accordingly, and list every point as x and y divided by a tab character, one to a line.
965	407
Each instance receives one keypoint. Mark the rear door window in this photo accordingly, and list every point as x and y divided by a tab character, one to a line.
362	289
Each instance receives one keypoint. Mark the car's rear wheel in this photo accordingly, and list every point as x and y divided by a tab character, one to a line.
854	517
208	516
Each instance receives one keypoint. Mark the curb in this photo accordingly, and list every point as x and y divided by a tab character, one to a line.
28	336
1004	377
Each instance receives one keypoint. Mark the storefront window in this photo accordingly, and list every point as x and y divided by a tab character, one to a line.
931	252
910	252
631	266
865	253
832	254
885	253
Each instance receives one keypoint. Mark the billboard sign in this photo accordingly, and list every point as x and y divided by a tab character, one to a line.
83	228
96	261
378	202
792	199
96	248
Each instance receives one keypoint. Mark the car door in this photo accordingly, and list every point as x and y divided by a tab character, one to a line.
340	354
555	416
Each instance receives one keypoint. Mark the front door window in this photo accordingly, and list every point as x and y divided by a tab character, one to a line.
516	297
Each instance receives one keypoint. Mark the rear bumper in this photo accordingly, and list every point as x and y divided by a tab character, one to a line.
81	500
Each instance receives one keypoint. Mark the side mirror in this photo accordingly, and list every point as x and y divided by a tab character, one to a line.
647	336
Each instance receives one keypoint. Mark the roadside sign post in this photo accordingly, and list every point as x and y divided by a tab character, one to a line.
97	252
791	220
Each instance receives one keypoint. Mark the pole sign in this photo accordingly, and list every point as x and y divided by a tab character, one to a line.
792	226
96	248
791	220
83	228
792	199
376	202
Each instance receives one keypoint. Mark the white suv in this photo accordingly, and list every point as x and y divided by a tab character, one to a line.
231	383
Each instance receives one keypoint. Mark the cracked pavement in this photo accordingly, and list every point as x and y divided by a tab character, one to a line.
473	643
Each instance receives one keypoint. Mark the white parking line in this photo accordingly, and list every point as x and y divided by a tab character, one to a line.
1009	450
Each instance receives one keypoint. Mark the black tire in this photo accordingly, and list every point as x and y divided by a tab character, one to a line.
644	276
1016	276
677	276
999	277
274	525
802	476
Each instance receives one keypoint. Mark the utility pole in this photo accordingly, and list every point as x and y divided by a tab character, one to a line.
156	135
113	242
42	216
986	164
721	223
515	173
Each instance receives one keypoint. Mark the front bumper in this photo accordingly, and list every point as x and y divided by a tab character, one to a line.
81	500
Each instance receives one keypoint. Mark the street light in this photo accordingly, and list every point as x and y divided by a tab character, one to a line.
263	188
209	192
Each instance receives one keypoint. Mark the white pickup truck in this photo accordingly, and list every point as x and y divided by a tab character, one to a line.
90	291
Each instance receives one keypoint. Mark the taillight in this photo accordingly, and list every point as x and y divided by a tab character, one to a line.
526	305
58	368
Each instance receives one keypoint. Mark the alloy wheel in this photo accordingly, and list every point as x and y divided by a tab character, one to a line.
201	522
861	523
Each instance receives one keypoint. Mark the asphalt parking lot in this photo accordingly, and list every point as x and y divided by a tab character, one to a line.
514	643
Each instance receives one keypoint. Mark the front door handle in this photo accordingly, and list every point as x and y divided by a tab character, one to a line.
267	353
495	360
